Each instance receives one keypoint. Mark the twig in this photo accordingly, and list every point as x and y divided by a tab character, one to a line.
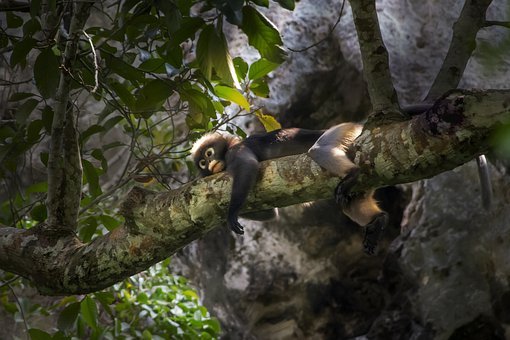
96	66
20	310
488	23
465	29
327	35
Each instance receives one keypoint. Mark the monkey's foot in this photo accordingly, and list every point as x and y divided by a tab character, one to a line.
343	194
373	233
236	227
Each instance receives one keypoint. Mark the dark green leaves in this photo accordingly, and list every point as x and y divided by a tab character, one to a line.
92	176
152	95
262	35
260	68
88	311
46	73
67	317
20	51
287	4
212	54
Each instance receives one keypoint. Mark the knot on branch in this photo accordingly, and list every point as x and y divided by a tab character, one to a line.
447	116
136	197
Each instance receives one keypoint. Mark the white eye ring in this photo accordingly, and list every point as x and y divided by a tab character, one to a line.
201	163
209	152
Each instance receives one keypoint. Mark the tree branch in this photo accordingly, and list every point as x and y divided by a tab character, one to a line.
64	163
465	29
451	133
14	6
374	55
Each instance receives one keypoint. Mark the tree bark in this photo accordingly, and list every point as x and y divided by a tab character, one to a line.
158	224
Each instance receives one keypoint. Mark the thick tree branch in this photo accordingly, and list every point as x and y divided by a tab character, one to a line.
64	163
465	29
454	131
374	55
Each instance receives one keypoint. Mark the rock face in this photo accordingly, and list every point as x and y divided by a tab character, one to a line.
442	271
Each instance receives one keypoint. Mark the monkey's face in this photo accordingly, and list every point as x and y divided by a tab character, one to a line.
210	159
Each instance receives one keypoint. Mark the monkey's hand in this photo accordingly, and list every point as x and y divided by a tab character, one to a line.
373	233
235	226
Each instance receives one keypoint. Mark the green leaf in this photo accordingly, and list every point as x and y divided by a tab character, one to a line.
92	176
33	131
46	73
263	3
39	213
25	109
146	335
37	334
13	21
20	51
199	104
109	222
47	118
4	41
154	65
67	318
88	310
43	156
232	95
189	27
15	97
92	130
212	54
241	67
172	18
232	9
287	4
214	324
153	95
269	122
31	27
110	123
172	54
123	93
259	88
98	154
38	187
35	7
88	228
123	69
260	68
262	35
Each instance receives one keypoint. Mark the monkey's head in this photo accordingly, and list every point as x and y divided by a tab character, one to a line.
209	152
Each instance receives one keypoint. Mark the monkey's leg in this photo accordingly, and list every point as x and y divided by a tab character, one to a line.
362	209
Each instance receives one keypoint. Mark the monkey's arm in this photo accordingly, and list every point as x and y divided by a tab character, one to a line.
243	166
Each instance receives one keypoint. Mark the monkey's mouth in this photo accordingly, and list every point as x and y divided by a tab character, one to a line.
216	166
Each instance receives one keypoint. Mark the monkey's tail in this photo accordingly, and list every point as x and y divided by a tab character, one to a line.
485	181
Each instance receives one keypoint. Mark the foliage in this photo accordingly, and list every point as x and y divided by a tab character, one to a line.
157	74
151	305
159	64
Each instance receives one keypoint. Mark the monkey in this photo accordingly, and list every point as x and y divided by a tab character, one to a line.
331	151
217	152
330	148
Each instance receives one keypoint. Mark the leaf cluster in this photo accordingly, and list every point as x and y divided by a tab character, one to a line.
154	304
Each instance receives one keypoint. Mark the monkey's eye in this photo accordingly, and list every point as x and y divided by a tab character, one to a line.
209	152
201	163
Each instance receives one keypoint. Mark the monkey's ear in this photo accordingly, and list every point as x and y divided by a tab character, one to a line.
206	140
